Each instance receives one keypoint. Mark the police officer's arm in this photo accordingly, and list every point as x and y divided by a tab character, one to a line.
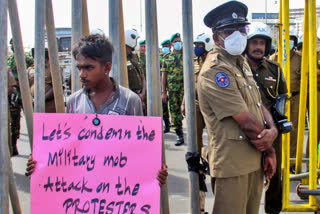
267	136
248	124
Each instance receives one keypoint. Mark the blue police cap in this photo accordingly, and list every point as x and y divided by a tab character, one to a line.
229	13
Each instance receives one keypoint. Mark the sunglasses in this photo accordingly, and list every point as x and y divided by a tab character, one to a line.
227	31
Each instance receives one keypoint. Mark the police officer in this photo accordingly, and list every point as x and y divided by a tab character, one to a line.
16	104
239	127
172	85
142	56
270	80
136	78
165	53
295	76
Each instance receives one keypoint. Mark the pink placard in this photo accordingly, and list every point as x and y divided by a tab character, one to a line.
84	168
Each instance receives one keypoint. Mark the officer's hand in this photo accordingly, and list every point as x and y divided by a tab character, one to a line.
30	166
270	163
164	97
162	175
265	139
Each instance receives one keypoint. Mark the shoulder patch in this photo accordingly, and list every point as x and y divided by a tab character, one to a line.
222	80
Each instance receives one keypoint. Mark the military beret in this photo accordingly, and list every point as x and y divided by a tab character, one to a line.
176	35
142	42
229	13
167	41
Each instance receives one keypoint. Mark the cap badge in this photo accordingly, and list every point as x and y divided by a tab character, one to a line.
234	15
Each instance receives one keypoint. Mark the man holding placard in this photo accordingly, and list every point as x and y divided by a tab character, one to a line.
100	94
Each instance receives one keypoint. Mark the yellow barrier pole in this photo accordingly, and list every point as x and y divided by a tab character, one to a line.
303	90
280	47
286	69
312	101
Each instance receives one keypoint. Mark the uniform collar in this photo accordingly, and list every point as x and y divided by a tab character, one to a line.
225	54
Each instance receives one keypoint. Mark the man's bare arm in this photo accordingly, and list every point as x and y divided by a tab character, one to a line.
248	124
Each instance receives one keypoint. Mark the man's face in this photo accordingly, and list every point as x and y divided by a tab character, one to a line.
224	32
142	49
199	45
91	72
176	39
256	47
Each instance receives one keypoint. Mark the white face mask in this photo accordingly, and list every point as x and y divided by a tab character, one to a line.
236	43
291	44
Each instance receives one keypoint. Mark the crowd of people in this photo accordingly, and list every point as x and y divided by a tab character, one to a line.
237	83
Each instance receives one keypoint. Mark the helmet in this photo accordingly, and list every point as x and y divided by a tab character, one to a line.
206	39
293	33
131	37
96	31
259	29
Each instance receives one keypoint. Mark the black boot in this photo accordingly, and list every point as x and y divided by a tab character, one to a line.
166	125
14	146
180	140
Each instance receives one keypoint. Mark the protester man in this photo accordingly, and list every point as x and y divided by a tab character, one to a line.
172	86
271	82
100	94
165	53
240	128
136	77
16	104
295	76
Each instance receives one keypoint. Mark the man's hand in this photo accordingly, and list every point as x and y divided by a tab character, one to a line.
265	139
270	163
30	166
164	97
162	175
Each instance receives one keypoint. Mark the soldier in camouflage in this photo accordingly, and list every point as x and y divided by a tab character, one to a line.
136	78
172	85
165	52
15	100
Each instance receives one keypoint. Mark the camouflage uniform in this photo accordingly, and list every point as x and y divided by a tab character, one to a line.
11	84
173	66
134	77
16	104
165	110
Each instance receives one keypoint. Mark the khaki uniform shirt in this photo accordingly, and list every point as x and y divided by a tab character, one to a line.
226	87
198	62
295	70
134	73
271	82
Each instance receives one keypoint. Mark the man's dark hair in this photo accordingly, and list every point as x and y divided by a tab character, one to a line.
96	47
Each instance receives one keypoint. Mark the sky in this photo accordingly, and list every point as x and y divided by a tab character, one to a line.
169	15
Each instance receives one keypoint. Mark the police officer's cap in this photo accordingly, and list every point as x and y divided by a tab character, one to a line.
142	42
229	13
165	42
176	35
